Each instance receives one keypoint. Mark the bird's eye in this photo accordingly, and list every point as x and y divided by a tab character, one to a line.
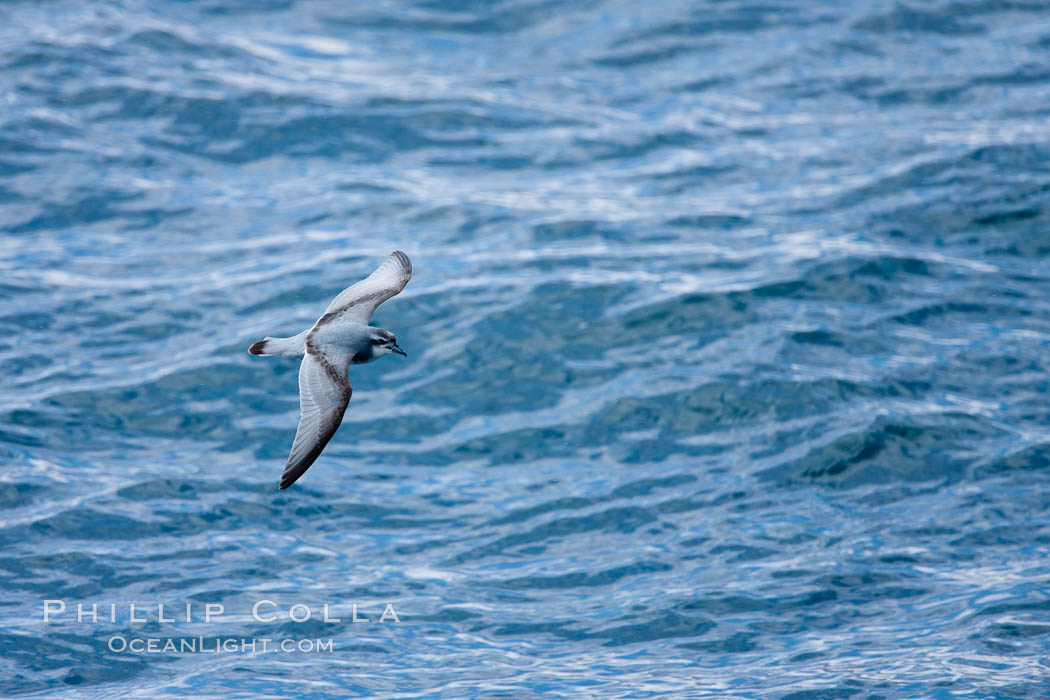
376	341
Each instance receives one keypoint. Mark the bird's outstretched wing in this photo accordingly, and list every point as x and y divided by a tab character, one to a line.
324	392
360	300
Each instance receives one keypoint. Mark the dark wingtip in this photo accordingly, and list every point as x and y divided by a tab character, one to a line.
404	259
290	477
257	348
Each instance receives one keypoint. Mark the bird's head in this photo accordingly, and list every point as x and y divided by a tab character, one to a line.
383	343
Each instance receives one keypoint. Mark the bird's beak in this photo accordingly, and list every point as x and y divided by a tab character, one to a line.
399	351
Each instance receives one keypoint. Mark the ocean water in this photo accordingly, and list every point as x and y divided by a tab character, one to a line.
728	348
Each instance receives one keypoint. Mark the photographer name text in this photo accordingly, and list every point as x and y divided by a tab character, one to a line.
264	611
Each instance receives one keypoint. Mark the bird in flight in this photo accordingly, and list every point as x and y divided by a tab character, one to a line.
340	338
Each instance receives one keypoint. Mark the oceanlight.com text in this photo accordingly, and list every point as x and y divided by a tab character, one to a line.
211	645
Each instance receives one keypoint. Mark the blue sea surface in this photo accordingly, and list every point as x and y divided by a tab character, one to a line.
728	348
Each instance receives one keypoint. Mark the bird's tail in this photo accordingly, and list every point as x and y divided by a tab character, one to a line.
289	347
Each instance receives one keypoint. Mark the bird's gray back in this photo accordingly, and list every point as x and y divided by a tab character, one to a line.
341	334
